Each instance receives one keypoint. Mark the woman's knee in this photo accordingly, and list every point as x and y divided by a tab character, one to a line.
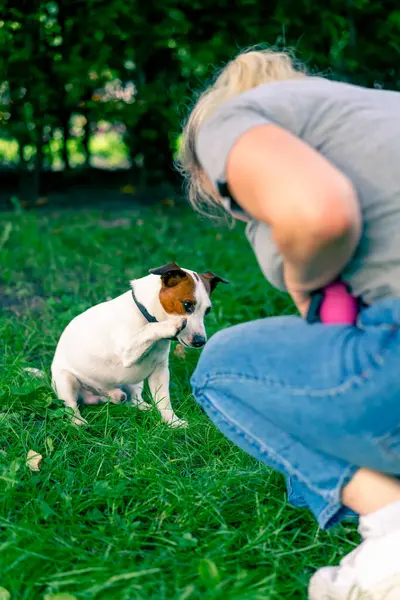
214	357
228	349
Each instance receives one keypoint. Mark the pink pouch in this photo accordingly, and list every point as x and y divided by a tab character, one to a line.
333	305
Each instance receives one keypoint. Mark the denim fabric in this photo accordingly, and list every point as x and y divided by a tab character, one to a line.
316	402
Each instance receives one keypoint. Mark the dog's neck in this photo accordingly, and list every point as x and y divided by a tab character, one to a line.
147	291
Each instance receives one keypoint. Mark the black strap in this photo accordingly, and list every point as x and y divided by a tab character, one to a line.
224	192
315	307
143	309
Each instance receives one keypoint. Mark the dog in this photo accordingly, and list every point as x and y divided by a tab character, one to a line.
108	351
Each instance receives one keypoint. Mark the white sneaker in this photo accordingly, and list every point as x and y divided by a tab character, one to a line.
370	572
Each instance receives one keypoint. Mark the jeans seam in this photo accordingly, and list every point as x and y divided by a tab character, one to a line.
353	382
263	449
336	501
335	391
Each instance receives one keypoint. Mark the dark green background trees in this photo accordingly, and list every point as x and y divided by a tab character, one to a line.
124	71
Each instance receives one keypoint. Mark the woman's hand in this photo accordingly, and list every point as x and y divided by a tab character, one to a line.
302	301
301	298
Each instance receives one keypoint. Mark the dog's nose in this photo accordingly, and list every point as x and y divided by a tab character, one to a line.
198	341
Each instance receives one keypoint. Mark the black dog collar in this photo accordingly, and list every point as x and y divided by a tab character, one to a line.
143	309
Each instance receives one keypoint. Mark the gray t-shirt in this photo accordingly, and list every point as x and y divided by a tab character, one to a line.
358	130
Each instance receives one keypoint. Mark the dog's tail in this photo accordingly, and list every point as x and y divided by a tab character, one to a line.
35	372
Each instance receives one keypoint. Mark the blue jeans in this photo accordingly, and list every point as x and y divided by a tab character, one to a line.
315	402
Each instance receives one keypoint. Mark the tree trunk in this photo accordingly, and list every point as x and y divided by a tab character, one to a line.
151	156
29	180
86	140
37	169
150	136
64	151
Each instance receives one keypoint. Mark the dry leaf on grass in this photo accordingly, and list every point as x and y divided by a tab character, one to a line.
180	351
168	202
38	373
4	594
42	201
33	460
50	444
127	189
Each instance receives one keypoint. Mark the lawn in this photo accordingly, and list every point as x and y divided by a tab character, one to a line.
129	509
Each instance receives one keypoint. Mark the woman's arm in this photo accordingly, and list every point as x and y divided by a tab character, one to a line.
311	206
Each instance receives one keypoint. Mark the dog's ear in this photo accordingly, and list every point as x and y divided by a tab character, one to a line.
171	274
211	280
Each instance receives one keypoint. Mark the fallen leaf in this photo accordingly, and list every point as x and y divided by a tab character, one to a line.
4	594
218	236
209	573
180	351
168	202
50	444
127	189
38	373
33	461
41	201
140	222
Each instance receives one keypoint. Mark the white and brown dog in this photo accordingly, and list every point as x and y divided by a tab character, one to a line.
109	350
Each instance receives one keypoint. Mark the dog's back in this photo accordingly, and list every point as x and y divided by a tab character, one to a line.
95	334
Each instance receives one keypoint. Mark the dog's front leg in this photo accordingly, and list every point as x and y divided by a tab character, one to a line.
147	336
159	389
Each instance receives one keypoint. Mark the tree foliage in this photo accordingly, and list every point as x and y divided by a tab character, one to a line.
134	64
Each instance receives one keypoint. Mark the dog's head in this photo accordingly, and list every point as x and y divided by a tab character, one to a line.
187	293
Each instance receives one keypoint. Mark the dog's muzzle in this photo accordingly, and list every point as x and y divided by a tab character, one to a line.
198	341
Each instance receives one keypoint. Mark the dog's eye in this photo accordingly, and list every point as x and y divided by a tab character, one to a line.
208	310
188	306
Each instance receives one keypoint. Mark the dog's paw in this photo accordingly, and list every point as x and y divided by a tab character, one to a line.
144	406
75	417
178	423
79	421
181	325
116	396
173	326
140	404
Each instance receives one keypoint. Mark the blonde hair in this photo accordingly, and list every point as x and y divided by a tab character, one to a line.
248	70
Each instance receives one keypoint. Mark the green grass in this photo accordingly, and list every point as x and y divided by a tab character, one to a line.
128	508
